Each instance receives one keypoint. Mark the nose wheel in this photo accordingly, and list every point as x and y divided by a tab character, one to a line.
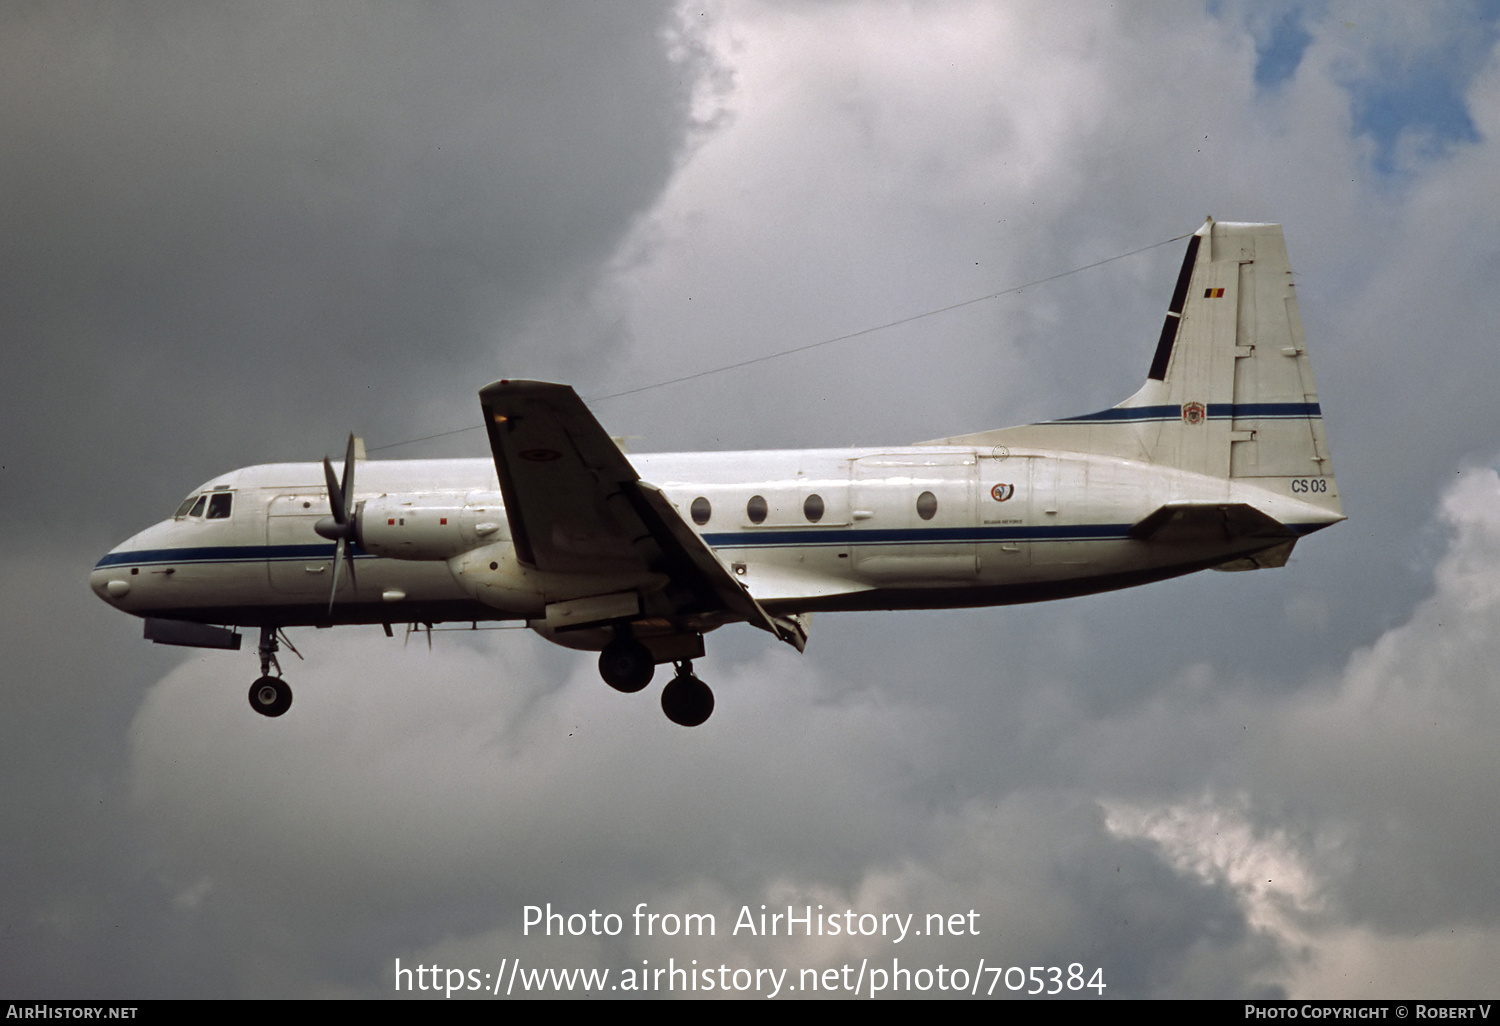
270	696
686	700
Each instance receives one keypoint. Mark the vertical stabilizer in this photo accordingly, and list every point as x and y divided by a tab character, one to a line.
1230	391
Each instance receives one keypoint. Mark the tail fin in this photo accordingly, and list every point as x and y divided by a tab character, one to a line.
1230	391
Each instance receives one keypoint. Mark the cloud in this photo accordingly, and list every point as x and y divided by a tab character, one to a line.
217	218
236	233
1352	819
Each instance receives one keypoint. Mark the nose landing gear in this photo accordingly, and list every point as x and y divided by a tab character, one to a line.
270	696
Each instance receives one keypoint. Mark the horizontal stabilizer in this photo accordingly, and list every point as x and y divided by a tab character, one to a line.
1265	559
1208	522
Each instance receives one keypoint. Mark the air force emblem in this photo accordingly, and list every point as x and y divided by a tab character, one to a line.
1194	413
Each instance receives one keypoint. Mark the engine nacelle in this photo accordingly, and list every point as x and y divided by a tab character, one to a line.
426	526
493	575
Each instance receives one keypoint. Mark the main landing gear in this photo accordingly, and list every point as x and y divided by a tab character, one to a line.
627	665
687	700
270	696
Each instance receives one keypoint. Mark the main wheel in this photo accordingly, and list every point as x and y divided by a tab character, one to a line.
687	700
626	665
270	696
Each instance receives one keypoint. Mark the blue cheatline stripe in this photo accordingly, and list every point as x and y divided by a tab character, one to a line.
224	554
1215	411
1263	411
760	539
1134	414
776	537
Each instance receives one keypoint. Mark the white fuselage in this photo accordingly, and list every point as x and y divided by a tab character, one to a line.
804	530
1219	460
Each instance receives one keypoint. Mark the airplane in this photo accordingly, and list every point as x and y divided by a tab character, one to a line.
1219	461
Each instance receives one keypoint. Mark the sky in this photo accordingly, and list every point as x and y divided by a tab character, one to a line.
234	233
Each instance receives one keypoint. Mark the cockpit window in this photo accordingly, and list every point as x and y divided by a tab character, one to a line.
197	510
219	504
187	504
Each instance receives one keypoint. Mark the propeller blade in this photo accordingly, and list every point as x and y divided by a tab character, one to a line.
338	564
346	488
349	552
335	493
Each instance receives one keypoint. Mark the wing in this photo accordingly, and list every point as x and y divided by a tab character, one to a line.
563	480
577	506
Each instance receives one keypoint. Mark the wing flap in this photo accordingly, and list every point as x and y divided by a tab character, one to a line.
769	582
727	591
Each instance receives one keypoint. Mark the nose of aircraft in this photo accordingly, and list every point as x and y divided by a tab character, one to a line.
121	575
112	577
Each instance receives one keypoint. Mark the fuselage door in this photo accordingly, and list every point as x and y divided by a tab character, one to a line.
1060	514
914	517
297	559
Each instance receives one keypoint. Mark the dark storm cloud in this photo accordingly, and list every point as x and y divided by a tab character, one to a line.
242	230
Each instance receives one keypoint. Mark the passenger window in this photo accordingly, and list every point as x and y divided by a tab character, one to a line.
197	510
756	509
701	511
218	506
187	504
812	509
926	505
